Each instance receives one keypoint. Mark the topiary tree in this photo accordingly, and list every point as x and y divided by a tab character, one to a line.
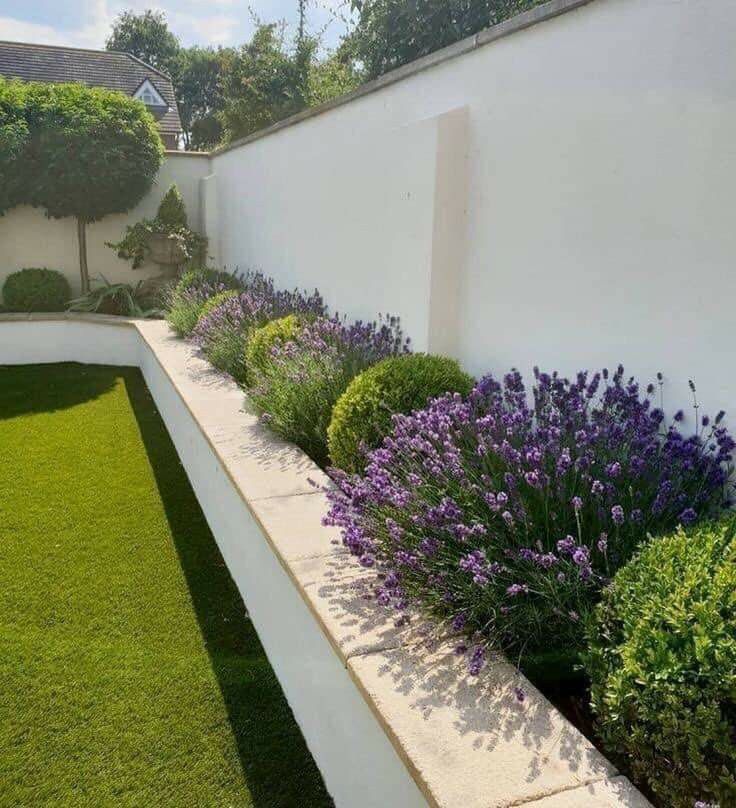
36	290
662	663
172	212
79	151
400	384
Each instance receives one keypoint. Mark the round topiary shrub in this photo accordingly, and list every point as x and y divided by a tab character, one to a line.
216	300
662	662
36	290
363	414
263	340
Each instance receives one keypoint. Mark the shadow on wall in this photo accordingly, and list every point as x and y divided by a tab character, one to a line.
275	760
40	393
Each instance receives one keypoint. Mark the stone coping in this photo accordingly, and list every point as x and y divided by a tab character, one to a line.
468	743
520	22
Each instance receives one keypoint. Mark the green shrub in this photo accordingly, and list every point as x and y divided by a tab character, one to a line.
207	278
36	290
212	303
399	384
171	211
260	343
662	662
191	293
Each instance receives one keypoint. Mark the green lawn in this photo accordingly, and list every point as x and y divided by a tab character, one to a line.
129	672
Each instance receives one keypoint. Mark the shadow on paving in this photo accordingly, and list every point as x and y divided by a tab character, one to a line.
278	767
34	392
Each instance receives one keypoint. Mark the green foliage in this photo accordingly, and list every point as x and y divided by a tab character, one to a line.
199	95
36	290
204	277
261	84
171	212
122	628
662	663
116	298
330	78
390	33
76	151
212	303
147	37
260	343
400	384
170	221
191	293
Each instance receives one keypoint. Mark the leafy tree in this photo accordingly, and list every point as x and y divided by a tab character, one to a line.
82	152
261	83
199	95
264	82
390	33
147	37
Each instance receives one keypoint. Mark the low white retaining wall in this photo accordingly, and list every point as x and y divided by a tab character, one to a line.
387	712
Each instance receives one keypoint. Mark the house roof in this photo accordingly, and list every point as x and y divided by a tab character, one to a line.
111	69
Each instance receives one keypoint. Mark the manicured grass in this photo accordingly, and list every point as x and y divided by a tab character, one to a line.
129	672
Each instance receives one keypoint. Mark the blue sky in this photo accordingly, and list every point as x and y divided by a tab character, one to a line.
86	23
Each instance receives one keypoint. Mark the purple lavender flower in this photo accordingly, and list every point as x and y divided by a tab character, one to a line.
490	479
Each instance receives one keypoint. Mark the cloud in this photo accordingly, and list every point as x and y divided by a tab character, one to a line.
90	35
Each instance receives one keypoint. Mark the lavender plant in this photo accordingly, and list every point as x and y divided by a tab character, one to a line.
297	390
223	332
507	517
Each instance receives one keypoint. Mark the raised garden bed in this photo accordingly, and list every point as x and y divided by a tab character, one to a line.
387	711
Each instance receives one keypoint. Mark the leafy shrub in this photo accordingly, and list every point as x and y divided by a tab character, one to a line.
662	662
216	300
297	390
188	297
36	290
170	221
363	414
507	518
171	212
207	279
263	340
116	298
224	332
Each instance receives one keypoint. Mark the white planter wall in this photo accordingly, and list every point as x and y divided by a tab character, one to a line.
600	162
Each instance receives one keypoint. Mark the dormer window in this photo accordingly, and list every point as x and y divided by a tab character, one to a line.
149	95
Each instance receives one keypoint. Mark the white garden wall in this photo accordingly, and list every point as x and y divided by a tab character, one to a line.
29	239
562	196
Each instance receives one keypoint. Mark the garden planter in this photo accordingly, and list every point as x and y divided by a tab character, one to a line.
387	710
165	251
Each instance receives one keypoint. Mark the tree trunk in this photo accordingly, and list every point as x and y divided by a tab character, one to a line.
83	269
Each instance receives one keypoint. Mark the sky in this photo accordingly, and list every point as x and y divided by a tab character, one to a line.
86	23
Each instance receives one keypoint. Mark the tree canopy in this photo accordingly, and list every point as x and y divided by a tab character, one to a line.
75	151
390	33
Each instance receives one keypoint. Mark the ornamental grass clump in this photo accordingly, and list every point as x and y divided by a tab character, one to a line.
223	333
298	388
662	663
507	517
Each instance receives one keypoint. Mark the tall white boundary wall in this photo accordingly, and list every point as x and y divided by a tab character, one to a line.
561	195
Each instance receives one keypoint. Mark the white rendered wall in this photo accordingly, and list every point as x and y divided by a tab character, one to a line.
29	239
601	165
